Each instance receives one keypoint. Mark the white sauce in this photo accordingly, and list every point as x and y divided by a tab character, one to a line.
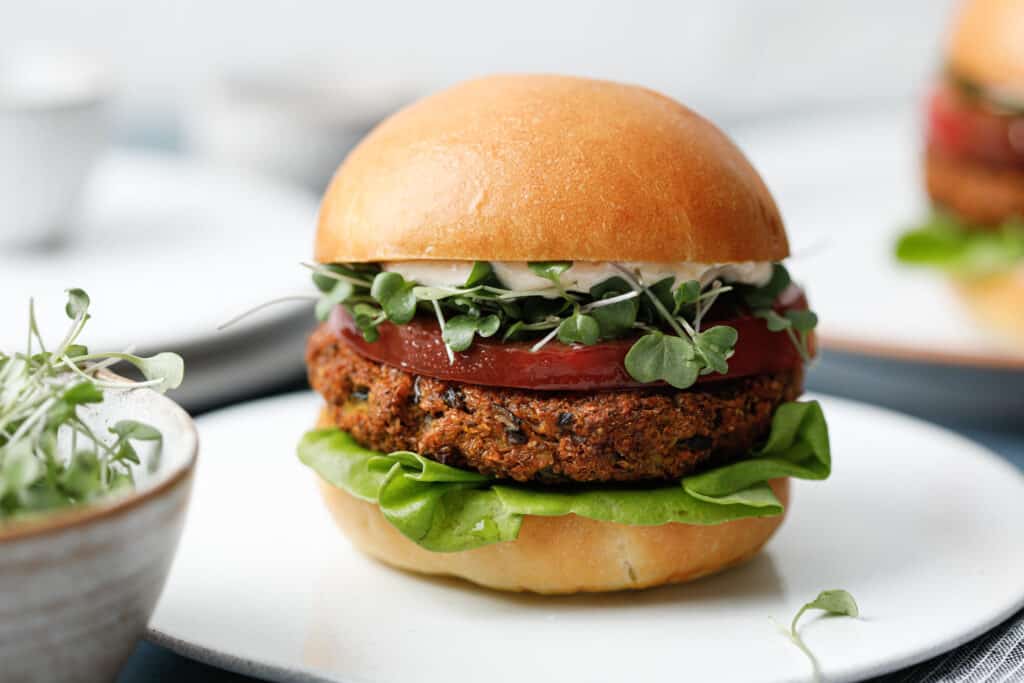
583	274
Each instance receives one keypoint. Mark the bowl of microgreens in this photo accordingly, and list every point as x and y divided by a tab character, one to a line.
95	477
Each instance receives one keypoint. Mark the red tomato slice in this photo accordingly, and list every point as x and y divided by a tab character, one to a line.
417	348
966	129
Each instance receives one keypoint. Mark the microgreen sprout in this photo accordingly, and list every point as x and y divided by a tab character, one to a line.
703	302
673	344
545	339
440	322
321	303
680	359
796	324
50	456
836	602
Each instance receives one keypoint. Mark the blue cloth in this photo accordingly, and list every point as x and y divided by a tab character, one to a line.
996	656
153	664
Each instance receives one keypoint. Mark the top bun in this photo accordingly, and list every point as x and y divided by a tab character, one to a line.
986	45
538	168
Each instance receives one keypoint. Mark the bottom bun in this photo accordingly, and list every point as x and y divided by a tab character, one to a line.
998	302
568	554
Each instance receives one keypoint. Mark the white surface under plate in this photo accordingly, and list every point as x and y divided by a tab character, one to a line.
848	184
922	526
168	249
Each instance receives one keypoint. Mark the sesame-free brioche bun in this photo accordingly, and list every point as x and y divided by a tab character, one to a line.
534	168
567	554
986	44
998	301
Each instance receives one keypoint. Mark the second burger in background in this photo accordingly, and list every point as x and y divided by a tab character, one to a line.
558	353
975	166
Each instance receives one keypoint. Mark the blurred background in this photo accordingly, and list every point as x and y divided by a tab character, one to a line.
181	147
168	156
731	59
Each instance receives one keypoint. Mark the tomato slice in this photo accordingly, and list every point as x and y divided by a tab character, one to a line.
417	348
964	128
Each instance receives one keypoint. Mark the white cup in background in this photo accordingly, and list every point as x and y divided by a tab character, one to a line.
291	123
52	128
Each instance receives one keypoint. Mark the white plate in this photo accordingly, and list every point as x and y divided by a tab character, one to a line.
848	185
168	249
922	526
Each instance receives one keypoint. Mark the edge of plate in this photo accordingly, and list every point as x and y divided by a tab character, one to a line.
239	665
860	347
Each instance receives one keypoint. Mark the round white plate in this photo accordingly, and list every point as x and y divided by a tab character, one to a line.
169	249
922	526
848	184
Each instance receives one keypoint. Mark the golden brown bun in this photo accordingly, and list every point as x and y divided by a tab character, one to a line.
530	168
567	554
986	44
998	301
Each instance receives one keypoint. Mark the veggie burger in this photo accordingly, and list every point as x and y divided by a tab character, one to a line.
558	350
975	165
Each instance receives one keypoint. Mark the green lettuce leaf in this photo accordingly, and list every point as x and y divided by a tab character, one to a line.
445	509
797	447
945	242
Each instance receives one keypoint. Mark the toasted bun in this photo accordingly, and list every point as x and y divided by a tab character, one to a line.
986	44
567	554
998	301
531	168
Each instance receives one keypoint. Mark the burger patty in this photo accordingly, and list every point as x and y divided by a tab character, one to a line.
979	193
546	437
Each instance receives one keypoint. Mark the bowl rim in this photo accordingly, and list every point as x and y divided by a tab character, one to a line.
62	520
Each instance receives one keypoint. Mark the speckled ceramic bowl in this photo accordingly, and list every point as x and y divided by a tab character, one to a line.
77	587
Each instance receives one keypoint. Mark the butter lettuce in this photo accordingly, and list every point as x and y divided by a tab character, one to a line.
944	242
445	509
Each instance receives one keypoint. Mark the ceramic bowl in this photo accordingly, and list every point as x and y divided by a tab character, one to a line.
52	128
77	587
